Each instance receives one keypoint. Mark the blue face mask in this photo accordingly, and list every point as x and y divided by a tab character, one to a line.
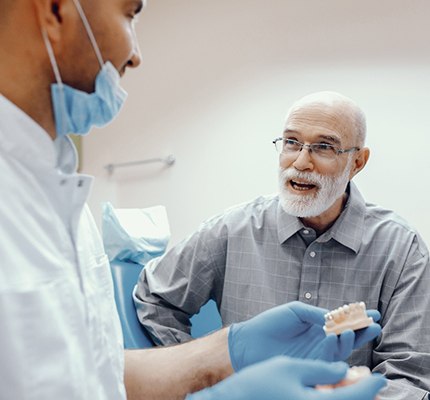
76	111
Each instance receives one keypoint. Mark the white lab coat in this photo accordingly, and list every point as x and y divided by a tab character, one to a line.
60	336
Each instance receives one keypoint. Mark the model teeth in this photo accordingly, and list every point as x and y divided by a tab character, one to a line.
350	316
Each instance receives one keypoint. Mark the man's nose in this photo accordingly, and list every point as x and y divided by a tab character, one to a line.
303	160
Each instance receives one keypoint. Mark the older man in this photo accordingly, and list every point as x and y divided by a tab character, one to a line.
318	242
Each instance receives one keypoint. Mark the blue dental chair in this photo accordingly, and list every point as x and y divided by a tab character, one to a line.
125	276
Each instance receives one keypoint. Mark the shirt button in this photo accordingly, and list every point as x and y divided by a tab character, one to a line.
308	296
305	231
312	254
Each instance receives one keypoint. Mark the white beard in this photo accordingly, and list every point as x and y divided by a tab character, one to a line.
329	189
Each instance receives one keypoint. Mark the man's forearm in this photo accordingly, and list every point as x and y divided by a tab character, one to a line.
172	372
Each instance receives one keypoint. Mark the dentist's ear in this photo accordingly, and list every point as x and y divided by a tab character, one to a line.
50	14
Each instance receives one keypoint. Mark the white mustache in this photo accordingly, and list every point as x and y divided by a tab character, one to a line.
310	177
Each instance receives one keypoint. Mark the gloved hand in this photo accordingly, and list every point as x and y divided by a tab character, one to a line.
290	379
295	330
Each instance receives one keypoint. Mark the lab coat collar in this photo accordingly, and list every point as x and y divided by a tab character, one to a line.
53	162
22	138
67	156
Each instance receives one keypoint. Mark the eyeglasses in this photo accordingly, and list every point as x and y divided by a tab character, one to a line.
323	151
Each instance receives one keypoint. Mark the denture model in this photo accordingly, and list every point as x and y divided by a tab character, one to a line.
351	316
353	375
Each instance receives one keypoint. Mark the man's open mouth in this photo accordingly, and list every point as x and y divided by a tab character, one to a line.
302	186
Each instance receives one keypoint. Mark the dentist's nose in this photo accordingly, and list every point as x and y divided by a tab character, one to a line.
135	58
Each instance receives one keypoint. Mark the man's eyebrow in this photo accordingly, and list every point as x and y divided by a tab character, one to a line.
290	132
329	138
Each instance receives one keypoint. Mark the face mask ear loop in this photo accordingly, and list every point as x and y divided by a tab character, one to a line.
52	58
56	73
89	32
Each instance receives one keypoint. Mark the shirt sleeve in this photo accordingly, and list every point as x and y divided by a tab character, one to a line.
172	288
402	351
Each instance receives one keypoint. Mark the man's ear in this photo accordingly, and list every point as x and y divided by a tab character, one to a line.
50	16
360	161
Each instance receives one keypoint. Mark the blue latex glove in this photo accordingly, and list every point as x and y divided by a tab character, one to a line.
295	330
291	379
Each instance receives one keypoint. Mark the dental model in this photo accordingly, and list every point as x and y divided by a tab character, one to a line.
353	375
352	316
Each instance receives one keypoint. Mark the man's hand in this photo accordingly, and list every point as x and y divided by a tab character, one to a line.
290	379
295	330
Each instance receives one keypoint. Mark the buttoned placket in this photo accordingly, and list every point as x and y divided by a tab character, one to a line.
310	271
73	192
75	189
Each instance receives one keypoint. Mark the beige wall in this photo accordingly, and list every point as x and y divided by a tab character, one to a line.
217	78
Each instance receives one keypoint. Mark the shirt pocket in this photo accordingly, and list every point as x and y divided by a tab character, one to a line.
104	323
43	344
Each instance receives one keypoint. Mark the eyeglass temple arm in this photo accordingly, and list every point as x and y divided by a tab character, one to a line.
340	151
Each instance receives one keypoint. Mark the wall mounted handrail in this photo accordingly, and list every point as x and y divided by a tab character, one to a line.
169	161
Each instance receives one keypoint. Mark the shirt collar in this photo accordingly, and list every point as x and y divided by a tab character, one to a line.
22	138
288	225
348	229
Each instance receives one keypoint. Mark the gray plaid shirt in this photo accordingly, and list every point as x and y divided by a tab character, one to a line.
255	256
